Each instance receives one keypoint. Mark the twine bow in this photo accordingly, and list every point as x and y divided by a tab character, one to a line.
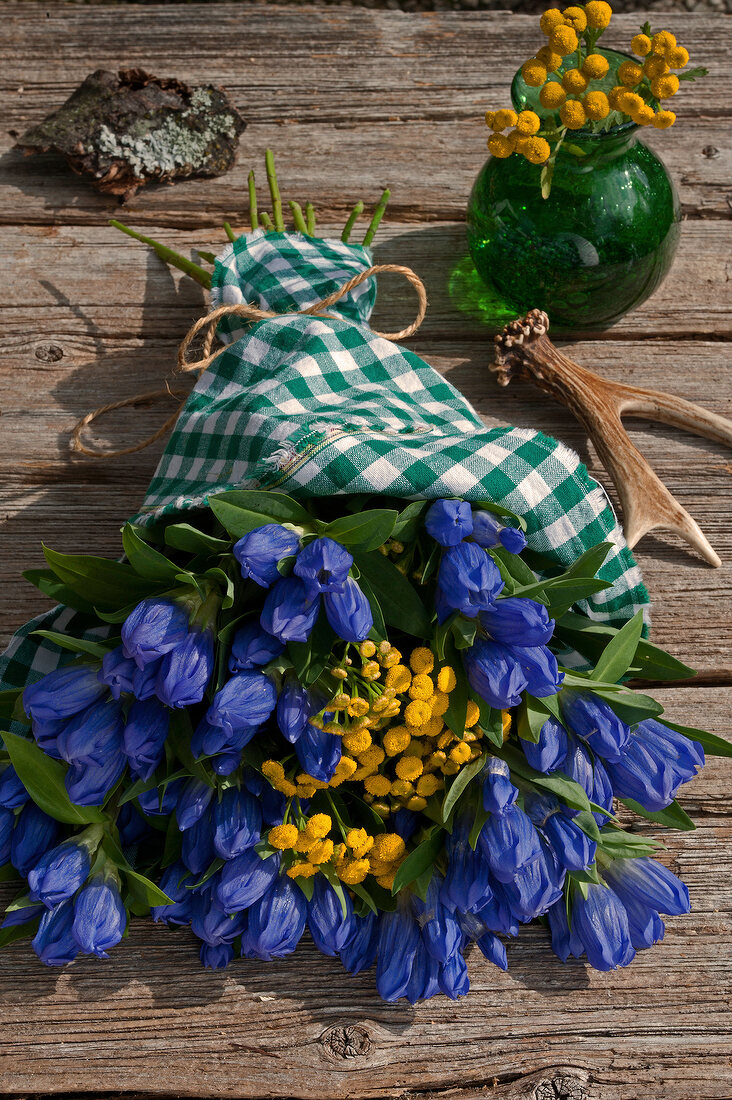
209	323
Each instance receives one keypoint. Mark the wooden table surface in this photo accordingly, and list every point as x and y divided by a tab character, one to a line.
351	100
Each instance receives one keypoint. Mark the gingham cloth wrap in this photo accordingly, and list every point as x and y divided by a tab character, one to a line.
318	407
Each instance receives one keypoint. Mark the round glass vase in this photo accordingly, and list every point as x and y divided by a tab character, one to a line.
598	245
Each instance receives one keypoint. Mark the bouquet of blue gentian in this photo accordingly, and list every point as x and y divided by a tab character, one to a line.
396	717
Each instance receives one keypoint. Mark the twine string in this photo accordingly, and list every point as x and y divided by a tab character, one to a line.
209	323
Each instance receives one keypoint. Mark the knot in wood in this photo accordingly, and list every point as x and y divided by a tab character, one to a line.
49	353
560	1088
346	1041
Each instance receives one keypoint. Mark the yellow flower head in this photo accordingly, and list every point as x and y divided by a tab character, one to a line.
440	703
377	785
353	871
528	123
663	119
344	770
388	847
360	841
396	740
302	870
576	19
595	66
357	741
655	66
550	60
677	57
643	116
614	96
321	851
446	678
416	803
283	836
499	146
401	789
422	687
630	74
629	102
534	72
598	15
663	87
551	18
318	826
409	768
358	708
552	95
367	648
473	712
562	40
371	670
662	42
273	771
422	660
373	756
428	785
399	677
572	114
460	753
574	81
503	119
417	713
641	45
506	723
596	106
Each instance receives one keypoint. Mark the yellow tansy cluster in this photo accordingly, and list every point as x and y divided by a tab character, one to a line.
309	848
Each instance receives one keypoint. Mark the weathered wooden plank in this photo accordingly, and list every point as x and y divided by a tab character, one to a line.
150	1020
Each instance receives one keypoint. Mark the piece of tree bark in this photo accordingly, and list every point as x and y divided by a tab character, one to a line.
130	128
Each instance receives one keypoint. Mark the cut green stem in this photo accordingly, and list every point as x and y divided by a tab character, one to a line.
168	255
310	217
274	189
229	232
352	219
376	219
253	219
297	217
266	222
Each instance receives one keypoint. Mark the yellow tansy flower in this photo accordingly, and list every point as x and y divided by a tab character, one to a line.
473	712
595	66
662	42
421	687
428	785
663	119
677	57
499	146
596	106
562	40
353	871
575	18
446	679
552	95
409	767
574	81
388	847
396	739
572	114
655	66
598	15
644	115
377	785
630	74
318	826
357	741
527	123
550	60
533	72
504	118
302	870
422	660
663	87
641	45
321	851
417	713
551	18
283	836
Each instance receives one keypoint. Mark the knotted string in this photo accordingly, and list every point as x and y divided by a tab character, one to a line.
209	323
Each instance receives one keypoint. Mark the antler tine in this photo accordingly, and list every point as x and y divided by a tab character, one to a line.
524	349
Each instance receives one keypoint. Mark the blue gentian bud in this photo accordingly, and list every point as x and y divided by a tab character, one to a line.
489	532
260	551
398	943
152	804
359	953
197	848
59	873
423	977
253	647
328	926
186	671
453	977
89	784
144	680
495	674
602	793
100	917
594	720
441	933
155	627
517	621
245	879
216	957
54	943
349	612
7	821
509	841
92	736
654	764
565	942
570	845
601	925
272	802
536	886
650	882
132	827
211	924
449	521
294	706
34	833
404	822
578	766
644	923
208	740
549	752
468	579
117	672
23	916
493	950
243	703
62	693
496	915
319	753
46	735
323	566
539	667
498	790
13	794
227	762
289	613
193	801
276	921
237	823
467	882
144	736
175	882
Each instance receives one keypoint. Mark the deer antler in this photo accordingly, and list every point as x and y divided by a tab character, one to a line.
523	349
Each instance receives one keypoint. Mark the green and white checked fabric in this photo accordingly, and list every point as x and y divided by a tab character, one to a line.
319	407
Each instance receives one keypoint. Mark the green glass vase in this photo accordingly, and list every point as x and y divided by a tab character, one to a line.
602	241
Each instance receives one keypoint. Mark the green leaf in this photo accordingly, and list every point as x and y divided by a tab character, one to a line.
310	658
457	709
586	822
18	932
481	816
145	560
76	645
693	74
630	706
617	657
179	739
399	601
511	565
715	746
11	700
574	150
182	536
652	662
499	510
106	584
532	715
243	510
673	817
379	626
143	890
365	531
417	862
463	631
46	581
225	585
565	789
337	885
43	778
459	783
409	521
620	844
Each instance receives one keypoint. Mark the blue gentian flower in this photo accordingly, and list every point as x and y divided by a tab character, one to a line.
602	793
197	847
489	532
276	921
211	924
654	764
59	873
330	928
155	627
398	943
23	916
493	950
186	671
594	720
154	806
272	802
496	915
260	551
539	667
404	822
46	735
319	753
144	680
577	765
498	790
449	521
349	612
650	882
13	794
62	693
237	823
494	674
89	784
175	882
570	845
509	841
601	925
143	741
517	621
468	579
117	672
467	882
253	647
216	957
289	613
423	979
359	952
323	566
7	821
453	978
294	706
535	887
132	826
244	879
441	932
192	803
34	833
227	762
565	942
208	740
100	917
92	736
243	703
54	943
549	752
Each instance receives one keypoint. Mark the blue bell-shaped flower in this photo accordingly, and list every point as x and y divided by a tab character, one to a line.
275	921
323	566
289	612
100	917
349	612
498	791
449	521
517	621
62	693
244	879
601	925
260	551
237	823
34	833
59	873
54	943
549	752
155	627
329	926
145	733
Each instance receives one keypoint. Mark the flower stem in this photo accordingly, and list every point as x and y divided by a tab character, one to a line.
310	216
297	217
376	219
253	219
168	255
274	189
352	219
266	222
